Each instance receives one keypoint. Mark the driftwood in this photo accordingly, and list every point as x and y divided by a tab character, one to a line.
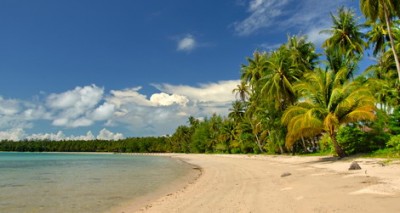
285	174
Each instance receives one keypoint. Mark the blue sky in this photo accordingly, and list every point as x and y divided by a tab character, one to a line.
111	69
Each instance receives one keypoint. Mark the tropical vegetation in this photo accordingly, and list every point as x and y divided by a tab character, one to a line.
294	99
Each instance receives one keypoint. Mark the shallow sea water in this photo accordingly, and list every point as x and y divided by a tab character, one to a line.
61	182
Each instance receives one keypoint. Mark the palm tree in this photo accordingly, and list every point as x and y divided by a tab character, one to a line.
236	112
302	53
285	66
384	11
377	36
279	79
344	48
253	72
242	90
381	79
345	34
326	104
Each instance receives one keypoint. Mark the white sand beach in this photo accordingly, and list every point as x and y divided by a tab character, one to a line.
254	183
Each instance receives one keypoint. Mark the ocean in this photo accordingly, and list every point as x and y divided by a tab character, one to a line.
62	182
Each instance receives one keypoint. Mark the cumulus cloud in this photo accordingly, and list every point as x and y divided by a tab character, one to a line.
103	112
77	107
187	43
108	135
164	99
129	95
12	134
19	135
9	107
212	92
141	115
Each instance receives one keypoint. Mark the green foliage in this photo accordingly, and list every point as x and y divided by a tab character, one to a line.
394	121
326	145
394	143
352	139
148	144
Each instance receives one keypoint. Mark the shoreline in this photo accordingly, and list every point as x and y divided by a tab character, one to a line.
144	202
254	183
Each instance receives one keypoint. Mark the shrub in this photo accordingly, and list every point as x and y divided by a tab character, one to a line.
394	142
352	139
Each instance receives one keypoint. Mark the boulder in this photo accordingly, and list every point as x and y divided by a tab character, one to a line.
354	166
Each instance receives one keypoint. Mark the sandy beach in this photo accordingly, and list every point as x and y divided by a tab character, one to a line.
255	183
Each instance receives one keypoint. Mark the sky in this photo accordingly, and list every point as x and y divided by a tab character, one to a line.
110	69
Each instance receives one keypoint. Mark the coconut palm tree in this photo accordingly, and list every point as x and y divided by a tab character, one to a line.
302	53
237	111
346	35
253	72
344	48
384	11
278	80
326	104
242	90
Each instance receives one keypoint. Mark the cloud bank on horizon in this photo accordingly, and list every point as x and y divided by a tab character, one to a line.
90	105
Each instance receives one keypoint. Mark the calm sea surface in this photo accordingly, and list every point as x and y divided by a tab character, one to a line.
46	182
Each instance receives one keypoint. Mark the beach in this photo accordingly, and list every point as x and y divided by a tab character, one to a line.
258	183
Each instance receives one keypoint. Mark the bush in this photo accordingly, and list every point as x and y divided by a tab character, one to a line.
394	142
325	144
352	140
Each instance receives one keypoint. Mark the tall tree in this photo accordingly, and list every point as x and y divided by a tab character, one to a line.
242	90
344	48
326	104
385	11
346	35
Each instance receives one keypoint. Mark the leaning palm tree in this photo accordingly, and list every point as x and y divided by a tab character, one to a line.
326	104
385	11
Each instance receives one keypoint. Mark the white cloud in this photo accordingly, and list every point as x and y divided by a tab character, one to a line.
157	114
9	107
12	134
163	99
107	135
187	43
316	37
130	95
211	92
262	14
19	135
103	112
71	108
60	136
280	15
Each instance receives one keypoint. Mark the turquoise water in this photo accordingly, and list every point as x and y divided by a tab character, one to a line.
46	182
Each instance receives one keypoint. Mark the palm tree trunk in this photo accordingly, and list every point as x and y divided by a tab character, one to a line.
337	147
259	144
396	59
304	144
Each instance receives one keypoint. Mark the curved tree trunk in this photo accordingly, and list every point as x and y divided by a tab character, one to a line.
337	147
396	58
